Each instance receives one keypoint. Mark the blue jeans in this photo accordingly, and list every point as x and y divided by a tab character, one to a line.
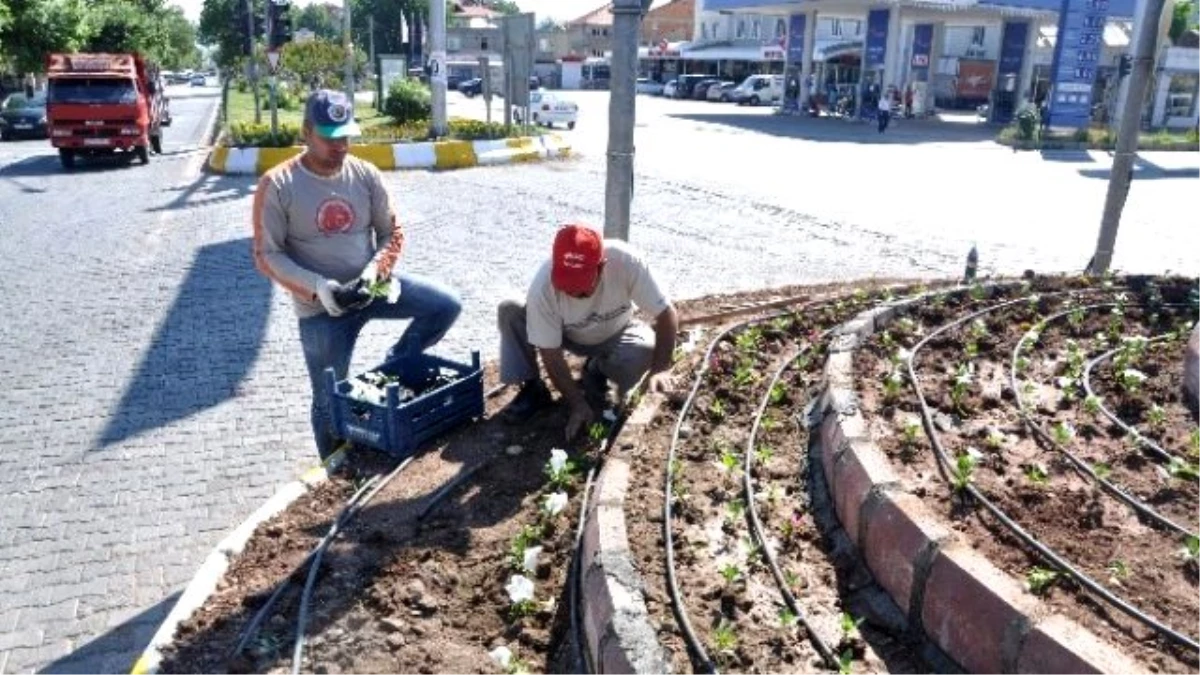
328	341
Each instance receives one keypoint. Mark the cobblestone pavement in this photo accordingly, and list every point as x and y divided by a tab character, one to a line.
156	392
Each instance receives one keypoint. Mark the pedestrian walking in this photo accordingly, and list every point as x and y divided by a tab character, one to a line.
884	112
581	301
325	230
908	102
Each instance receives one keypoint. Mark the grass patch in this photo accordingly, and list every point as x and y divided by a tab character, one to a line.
1100	139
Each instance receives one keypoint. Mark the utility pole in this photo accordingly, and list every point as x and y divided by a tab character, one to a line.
374	75
1146	41
253	64
437	64
622	110
348	45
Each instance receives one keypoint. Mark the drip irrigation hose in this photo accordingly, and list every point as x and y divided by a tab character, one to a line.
1112	417
685	625
1081	466
1048	554
256	622
319	553
756	525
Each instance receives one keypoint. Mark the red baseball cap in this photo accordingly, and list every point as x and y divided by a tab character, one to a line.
578	252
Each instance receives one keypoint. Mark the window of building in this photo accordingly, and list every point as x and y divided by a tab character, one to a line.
978	33
858	27
835	28
604	32
453	43
755	29
780	28
543	45
716	31
598	53
703	31
741	28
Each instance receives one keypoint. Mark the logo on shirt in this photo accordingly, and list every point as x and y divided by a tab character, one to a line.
335	216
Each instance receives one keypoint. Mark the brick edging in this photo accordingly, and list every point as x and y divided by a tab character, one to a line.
440	155
975	612
618	634
204	582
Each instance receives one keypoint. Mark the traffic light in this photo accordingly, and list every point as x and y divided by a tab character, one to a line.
243	25
1125	66
280	20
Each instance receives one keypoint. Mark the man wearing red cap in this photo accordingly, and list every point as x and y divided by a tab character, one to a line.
581	301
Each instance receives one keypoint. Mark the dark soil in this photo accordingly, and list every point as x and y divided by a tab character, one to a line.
711	535
398	595
1026	477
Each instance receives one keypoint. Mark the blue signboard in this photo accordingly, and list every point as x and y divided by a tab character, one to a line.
922	50
797	23
1076	53
1012	48
877	34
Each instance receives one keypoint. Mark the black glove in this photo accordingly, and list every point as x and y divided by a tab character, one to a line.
352	295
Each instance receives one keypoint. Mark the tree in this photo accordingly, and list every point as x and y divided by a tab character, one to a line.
1181	19
321	21
505	7
219	28
315	63
549	24
37	28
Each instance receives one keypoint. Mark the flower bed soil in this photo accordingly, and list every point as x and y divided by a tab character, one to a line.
394	595
1025	476
733	603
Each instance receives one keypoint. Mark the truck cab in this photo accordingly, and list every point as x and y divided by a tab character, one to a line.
102	104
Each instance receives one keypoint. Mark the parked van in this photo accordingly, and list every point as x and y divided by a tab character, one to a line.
758	89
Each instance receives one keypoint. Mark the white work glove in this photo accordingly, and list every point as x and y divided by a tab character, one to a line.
370	277
325	293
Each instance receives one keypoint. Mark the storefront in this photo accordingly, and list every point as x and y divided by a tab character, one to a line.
1177	85
664	62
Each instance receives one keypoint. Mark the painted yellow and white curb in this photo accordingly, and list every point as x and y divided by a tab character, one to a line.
204	583
400	156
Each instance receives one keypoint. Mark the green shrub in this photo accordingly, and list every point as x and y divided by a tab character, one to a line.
243	134
1082	136
474	130
407	101
1192	135
1029	123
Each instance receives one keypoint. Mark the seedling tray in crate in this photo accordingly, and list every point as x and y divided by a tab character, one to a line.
423	397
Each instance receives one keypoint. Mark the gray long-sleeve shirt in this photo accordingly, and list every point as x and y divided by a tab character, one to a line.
310	228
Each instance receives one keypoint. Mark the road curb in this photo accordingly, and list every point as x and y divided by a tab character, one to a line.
975	612
205	581
440	155
617	629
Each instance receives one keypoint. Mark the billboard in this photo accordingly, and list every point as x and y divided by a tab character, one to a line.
1076	55
876	43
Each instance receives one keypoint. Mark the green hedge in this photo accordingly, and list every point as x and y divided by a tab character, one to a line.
243	134
1093	139
408	101
249	134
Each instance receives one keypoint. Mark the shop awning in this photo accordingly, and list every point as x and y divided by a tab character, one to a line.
726	52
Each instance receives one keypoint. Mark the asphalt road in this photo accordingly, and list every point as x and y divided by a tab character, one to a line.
155	389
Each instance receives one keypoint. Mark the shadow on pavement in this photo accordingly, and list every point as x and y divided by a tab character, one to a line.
118	649
835	130
1067	156
48	165
203	349
207	189
1144	169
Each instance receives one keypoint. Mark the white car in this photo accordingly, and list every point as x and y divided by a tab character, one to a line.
646	85
720	91
548	109
669	88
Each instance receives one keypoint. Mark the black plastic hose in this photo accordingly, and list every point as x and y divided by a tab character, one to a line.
1081	466
756	525
1112	417
1048	554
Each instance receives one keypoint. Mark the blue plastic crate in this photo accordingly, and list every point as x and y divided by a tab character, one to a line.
399	429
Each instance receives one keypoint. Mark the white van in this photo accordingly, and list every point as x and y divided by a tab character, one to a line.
758	89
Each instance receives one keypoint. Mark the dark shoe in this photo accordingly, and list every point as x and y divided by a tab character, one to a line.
533	397
595	387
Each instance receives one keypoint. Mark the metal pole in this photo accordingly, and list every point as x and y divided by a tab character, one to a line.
348	45
618	187
253	62
1146	39
274	108
271	79
374	75
437	58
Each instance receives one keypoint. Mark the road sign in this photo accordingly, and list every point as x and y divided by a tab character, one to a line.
437	67
273	59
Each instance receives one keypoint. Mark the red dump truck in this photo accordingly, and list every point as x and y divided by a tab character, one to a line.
102	104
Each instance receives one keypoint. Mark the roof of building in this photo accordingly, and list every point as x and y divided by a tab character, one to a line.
601	16
474	11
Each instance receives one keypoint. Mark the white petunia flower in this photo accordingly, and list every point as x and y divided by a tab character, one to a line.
1133	374
555	503
520	589
502	655
529	563
558	460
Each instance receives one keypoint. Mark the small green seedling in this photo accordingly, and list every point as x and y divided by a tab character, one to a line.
1075	318
964	471
978	329
1091	405
1102	470
778	393
1063	433
1036	473
788	619
729	459
886	339
893	384
748	340
1156	417
716	410
769	423
978	292
1194	442
1181	470
1022	364
744	375
597	432
846	662
522	609
764	454
962	383
994	440
730	573
725	638
1118	571
1039	580
906	326
1190	553
850	625
971	349
791	579
911	430
735	510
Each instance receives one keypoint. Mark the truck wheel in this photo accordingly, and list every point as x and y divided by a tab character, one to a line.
156	143
67	157
5	136
143	154
570	125
754	100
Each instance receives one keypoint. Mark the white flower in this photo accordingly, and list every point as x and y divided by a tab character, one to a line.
1133	375
974	453
531	556
558	460
896	377
1064	382
903	355
555	503
502	655
520	589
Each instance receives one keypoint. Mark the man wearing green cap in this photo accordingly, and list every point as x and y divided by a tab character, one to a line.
325	230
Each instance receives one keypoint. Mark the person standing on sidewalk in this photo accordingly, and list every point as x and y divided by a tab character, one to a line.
884	112
581	301
326	231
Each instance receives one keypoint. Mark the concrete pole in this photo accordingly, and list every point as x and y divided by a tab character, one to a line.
371	68
1025	79
1140	17
892	51
437	55
1146	36
253	65
806	62
618	187
935	58
348	45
